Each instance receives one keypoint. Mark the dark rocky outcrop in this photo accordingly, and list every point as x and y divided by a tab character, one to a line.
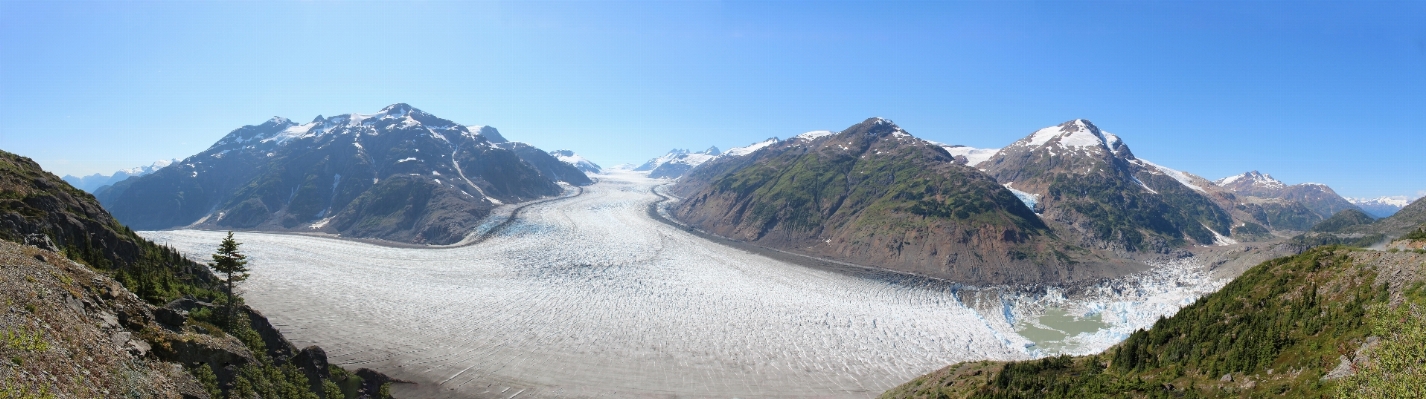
312	361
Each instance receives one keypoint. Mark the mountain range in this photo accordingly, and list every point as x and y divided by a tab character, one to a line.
1083	200
1381	206
400	174
95	181
677	162
873	194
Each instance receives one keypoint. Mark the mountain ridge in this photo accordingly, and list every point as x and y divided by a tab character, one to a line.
400	174
874	194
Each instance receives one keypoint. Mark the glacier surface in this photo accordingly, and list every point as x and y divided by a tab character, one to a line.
589	296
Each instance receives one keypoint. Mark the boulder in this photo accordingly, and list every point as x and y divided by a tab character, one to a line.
312	361
172	318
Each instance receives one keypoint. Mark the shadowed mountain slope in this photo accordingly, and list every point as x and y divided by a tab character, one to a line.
400	174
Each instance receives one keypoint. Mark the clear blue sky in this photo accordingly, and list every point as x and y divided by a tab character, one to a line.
1330	92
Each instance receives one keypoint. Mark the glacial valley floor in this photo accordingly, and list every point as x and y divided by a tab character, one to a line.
590	297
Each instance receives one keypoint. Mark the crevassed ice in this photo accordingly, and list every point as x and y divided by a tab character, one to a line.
589	295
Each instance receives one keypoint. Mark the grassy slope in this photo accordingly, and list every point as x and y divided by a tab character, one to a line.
1277	329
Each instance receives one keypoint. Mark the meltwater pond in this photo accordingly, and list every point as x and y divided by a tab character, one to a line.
589	297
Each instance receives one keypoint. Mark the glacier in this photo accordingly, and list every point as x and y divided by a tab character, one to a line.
588	295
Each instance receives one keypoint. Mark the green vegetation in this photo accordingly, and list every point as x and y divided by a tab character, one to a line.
1275	331
1310	240
23	339
1286	215
233	265
1397	369
1419	234
1343	220
35	201
1116	211
804	191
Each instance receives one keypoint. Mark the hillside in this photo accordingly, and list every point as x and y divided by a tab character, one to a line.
93	310
1090	181
873	194
1327	321
400	174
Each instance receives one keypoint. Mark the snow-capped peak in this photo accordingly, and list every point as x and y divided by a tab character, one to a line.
1078	133
1395	200
1253	178
278	120
813	135
750	148
399	110
579	162
143	170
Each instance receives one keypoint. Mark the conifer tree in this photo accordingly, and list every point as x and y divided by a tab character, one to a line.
232	264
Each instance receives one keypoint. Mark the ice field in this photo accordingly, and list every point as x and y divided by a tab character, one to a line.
590	297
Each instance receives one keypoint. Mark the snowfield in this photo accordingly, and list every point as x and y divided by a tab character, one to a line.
589	297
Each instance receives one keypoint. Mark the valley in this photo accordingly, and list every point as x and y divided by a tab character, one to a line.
589	296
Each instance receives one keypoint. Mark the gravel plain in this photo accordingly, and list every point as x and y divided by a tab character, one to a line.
590	297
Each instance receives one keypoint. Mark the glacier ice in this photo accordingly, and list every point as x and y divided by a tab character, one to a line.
589	296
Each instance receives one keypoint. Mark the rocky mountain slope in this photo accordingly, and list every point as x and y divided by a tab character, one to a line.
95	181
873	194
1280	206
79	318
677	162
1328	322
1089	180
400	174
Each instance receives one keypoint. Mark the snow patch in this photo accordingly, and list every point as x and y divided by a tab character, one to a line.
813	135
1183	178
974	156
751	148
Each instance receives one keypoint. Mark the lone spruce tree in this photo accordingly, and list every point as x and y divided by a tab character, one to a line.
233	266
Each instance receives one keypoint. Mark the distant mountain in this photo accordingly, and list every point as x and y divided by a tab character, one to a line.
677	162
578	162
548	165
1089	181
1318	198
95	181
400	174
1409	218
875	195
1381	206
